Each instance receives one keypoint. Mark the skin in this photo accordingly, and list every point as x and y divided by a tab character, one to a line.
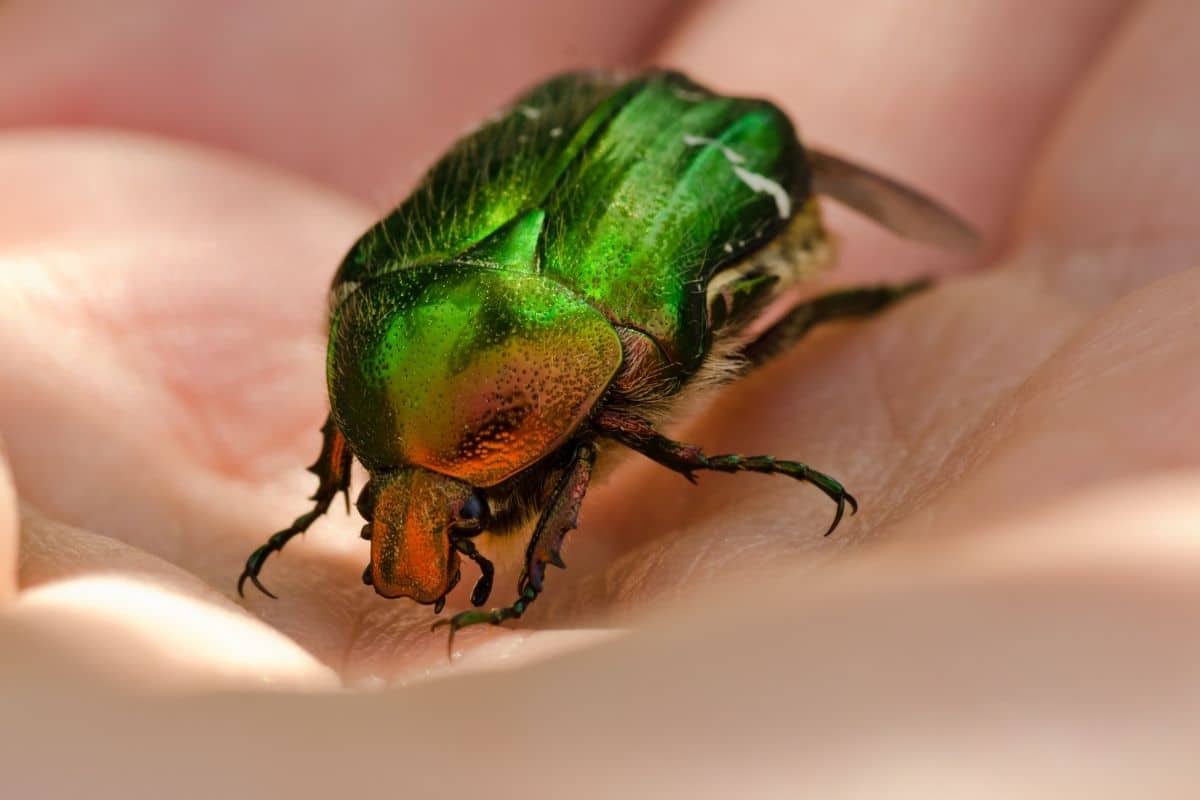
1018	590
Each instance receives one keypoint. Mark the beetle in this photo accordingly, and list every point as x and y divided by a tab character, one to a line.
560	282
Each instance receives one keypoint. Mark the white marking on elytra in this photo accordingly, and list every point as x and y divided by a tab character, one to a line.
761	183
728	247
731	155
555	133
757	183
530	112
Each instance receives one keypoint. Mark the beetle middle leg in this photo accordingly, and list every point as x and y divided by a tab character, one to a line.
843	304
332	469
559	517
686	459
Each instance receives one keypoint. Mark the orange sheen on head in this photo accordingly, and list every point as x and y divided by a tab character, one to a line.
411	555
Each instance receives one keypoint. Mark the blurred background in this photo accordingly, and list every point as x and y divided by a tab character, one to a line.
360	95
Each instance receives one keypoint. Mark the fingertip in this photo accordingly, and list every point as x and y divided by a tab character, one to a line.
158	629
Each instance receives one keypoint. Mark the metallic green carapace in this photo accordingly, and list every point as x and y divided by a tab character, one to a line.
556	284
630	193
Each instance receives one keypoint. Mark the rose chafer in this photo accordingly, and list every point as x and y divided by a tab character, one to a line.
556	286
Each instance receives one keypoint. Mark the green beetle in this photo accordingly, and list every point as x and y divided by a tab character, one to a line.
556	286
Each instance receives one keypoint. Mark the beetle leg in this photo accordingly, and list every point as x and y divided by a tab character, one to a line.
487	572
557	519
842	304
332	469
637	434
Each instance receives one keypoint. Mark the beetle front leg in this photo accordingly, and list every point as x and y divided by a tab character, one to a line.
332	469
487	572
637	434
843	304
559	517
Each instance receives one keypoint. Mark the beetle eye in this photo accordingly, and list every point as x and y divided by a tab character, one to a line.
474	512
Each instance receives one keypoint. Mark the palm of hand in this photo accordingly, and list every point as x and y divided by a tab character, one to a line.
163	361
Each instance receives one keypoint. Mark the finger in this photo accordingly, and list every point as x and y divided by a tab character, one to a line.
953	664
951	98
139	634
362	97
144	622
53	551
1121	179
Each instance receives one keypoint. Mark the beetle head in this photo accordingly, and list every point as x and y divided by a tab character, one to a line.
413	512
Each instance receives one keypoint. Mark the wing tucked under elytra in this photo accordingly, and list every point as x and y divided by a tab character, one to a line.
904	211
679	183
492	175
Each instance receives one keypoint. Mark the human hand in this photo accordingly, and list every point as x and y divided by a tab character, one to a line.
1021	439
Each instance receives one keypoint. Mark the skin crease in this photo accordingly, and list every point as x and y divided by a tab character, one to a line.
1011	614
